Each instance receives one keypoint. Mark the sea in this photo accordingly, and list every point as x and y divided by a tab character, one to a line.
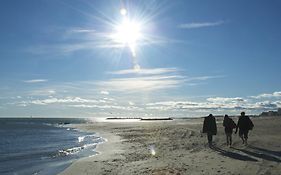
42	146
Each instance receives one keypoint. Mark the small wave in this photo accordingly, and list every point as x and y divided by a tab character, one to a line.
89	145
86	146
74	150
69	151
82	138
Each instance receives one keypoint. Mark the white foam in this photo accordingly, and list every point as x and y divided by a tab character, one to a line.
70	151
81	138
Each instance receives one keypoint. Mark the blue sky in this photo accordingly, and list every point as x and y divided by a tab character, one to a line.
196	57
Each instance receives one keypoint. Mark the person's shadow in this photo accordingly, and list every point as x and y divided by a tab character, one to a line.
260	153
275	153
232	155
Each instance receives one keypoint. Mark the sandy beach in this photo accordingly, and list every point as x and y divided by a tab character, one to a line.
178	147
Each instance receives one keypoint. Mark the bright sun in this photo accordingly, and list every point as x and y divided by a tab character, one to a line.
128	32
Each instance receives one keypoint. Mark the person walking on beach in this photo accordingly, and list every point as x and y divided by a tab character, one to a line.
244	125
229	125
210	127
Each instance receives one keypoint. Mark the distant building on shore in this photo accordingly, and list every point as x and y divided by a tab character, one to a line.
272	113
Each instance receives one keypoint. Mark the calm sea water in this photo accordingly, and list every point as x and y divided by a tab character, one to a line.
42	146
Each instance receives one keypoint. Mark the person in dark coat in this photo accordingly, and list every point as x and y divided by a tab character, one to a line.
210	127
244	125
229	125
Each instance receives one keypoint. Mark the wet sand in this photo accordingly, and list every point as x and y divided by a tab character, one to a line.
180	148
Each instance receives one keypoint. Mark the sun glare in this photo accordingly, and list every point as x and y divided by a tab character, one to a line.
123	12
128	32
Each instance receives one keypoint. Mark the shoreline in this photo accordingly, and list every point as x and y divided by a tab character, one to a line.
109	149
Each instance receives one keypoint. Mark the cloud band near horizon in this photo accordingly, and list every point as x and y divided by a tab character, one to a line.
195	25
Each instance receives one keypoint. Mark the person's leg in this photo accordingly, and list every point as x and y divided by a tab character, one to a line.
241	135
227	139
226	136
246	137
210	138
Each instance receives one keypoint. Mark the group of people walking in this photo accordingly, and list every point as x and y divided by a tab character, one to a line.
244	124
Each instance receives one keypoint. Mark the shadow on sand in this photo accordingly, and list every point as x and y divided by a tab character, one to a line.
275	153
233	155
259	154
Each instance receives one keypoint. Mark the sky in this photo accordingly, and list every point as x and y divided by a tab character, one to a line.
182	58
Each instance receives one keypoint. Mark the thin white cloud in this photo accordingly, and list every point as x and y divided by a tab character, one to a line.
142	83
129	108
109	99
182	105
104	92
68	48
102	101
65	100
216	104
266	95
80	30
226	100
194	25
278	103
202	78
146	71
131	103
62	100
35	81
42	92
179	105
150	80
266	105
195	106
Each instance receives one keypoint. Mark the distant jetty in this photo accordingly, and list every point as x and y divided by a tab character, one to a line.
123	118
152	119
138	118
